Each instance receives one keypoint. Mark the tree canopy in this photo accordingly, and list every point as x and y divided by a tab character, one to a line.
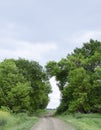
24	85
79	78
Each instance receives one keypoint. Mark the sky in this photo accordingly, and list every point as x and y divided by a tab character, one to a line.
45	30
55	96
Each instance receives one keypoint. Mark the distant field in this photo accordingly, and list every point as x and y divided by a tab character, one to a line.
84	121
16	121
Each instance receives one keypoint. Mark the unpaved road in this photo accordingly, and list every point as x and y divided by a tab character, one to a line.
51	123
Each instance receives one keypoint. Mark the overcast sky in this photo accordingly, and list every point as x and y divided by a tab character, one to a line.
46	30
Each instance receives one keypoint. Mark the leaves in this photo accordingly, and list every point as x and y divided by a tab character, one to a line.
24	85
79	77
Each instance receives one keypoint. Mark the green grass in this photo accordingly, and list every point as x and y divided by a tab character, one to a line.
16	121
83	121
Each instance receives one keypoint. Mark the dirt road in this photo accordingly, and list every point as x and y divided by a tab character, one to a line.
51	123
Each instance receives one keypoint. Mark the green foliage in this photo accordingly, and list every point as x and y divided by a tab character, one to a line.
40	87
3	118
19	121
5	109
59	70
83	121
9	78
79	77
19	97
24	85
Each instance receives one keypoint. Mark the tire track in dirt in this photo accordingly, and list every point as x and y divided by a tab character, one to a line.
51	123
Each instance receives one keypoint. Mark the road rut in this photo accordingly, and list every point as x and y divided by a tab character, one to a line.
51	123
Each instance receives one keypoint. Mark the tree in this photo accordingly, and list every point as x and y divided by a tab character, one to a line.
12	83
33	72
59	70
24	85
79	79
19	97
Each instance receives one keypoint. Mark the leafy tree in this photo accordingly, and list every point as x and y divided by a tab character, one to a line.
59	70
9	80
24	85
95	93
19	97
79	77
34	73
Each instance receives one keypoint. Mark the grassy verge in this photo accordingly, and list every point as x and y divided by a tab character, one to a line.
83	121
16	121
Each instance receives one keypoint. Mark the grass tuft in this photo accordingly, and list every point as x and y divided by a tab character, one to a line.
83	121
16	121
4	117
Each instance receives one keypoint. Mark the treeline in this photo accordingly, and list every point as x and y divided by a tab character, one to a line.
24	86
79	79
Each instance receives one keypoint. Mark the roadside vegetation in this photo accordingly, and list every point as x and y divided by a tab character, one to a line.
83	121
79	80
19	121
24	89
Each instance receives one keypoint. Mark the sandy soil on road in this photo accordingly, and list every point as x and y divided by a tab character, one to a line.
51	123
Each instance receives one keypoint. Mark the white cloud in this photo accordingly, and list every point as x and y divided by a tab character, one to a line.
86	36
77	39
33	51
